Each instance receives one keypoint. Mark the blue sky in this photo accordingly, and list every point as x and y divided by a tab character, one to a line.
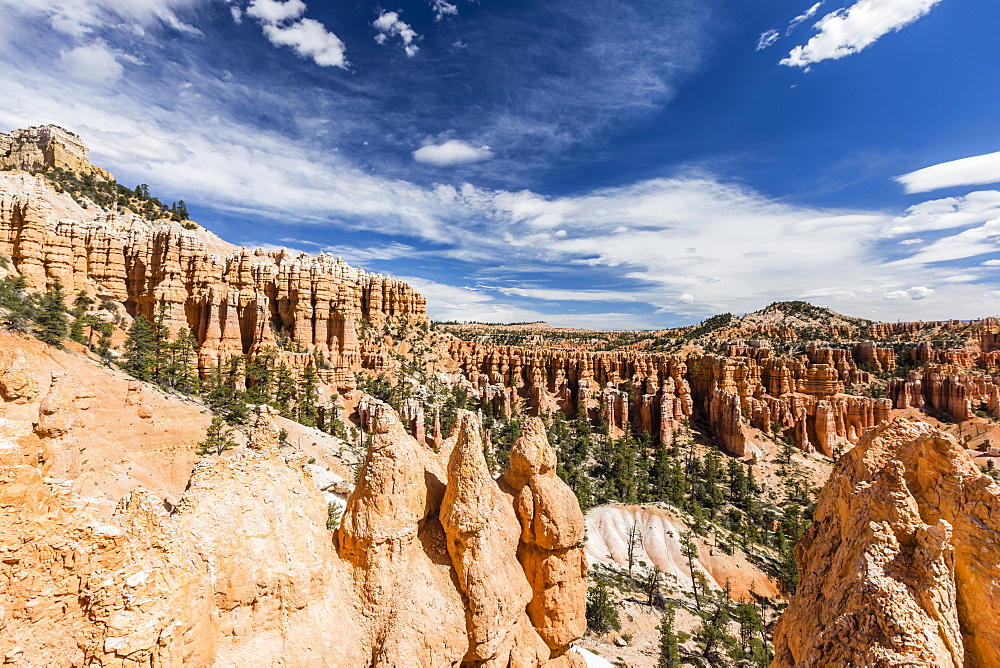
592	163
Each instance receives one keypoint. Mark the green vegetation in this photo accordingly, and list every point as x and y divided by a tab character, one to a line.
218	438
333	515
602	615
93	188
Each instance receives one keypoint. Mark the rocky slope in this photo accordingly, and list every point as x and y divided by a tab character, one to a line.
900	564
435	563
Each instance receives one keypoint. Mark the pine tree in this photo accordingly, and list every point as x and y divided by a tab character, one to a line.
689	549
601	613
217	438
308	397
21	308
284	391
670	646
139	356
260	377
180	370
104	342
51	318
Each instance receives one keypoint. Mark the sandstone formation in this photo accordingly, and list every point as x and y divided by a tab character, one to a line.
552	534
899	566
426	568
801	399
947	388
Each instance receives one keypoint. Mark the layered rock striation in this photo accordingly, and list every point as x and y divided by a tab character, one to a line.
898	567
236	301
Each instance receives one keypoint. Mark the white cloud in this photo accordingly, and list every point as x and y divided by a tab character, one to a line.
805	16
767	38
94	63
388	24
363	256
442	8
283	25
947	213
915	293
976	170
276	11
81	17
309	39
851	29
451	152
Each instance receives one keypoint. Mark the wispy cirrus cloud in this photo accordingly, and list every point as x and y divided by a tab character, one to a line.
852	29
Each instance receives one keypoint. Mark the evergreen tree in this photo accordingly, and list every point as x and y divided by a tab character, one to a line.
308	397
139	356
689	549
104	342
20	307
180	369
670	646
602	616
284	391
217	438
51	318
713	635
260	377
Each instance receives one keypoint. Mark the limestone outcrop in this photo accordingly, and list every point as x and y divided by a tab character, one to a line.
45	147
898	567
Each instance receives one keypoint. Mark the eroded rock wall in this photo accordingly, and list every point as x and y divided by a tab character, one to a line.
898	566
233	299
802	399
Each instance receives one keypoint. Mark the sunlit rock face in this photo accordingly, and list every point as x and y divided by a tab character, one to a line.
429	566
898	567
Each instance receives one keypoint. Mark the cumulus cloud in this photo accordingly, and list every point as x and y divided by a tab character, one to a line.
851	29
451	152
388	24
284	25
94	63
442	8
972	171
767	38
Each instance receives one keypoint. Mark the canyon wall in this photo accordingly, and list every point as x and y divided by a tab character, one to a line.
236	301
899	565
795	399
